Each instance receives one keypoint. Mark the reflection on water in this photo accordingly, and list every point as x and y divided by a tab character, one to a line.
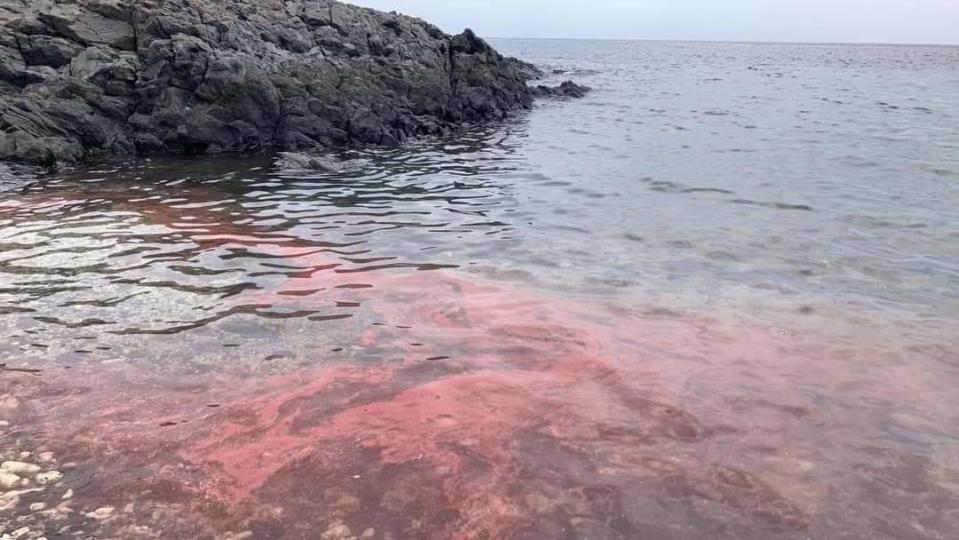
476	338
165	248
233	206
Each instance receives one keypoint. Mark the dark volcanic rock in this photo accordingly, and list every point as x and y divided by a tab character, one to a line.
83	78
300	161
568	89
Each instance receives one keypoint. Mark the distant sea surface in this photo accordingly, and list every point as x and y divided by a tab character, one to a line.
717	297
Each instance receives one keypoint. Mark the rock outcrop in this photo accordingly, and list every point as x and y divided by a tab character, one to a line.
568	89
87	78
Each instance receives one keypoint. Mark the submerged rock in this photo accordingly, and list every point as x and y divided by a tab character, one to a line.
86	78
49	477
338	531
101	513
306	162
568	89
8	480
19	467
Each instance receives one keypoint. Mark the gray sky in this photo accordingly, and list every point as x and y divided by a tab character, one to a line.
873	21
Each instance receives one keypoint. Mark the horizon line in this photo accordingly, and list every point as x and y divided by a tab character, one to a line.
736	42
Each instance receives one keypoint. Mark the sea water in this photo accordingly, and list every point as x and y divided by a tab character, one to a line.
717	297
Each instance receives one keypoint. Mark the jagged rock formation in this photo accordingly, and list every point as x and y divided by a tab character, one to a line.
86	78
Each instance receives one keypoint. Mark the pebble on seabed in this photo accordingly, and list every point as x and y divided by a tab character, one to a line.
18	533
8	480
16	474
9	402
49	477
101	513
338	531
19	467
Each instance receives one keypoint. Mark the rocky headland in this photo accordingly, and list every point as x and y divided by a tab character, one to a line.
82	79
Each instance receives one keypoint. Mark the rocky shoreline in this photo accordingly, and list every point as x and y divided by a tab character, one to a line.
82	79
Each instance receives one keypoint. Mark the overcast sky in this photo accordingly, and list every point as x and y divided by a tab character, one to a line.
872	21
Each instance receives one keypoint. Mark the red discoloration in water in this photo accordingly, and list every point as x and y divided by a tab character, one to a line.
504	374
489	412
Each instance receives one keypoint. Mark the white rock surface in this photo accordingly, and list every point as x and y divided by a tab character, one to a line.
101	513
8	480
49	477
19	467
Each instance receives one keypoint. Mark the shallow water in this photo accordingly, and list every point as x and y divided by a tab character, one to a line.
717	297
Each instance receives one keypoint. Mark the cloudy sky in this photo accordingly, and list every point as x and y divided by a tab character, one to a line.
872	21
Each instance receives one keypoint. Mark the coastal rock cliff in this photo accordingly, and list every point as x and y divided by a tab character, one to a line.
86	78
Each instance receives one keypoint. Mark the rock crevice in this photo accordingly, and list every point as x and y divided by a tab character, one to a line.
86	78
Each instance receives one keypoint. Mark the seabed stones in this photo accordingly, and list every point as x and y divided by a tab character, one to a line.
22	482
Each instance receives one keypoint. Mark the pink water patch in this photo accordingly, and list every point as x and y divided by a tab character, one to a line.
519	417
483	410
